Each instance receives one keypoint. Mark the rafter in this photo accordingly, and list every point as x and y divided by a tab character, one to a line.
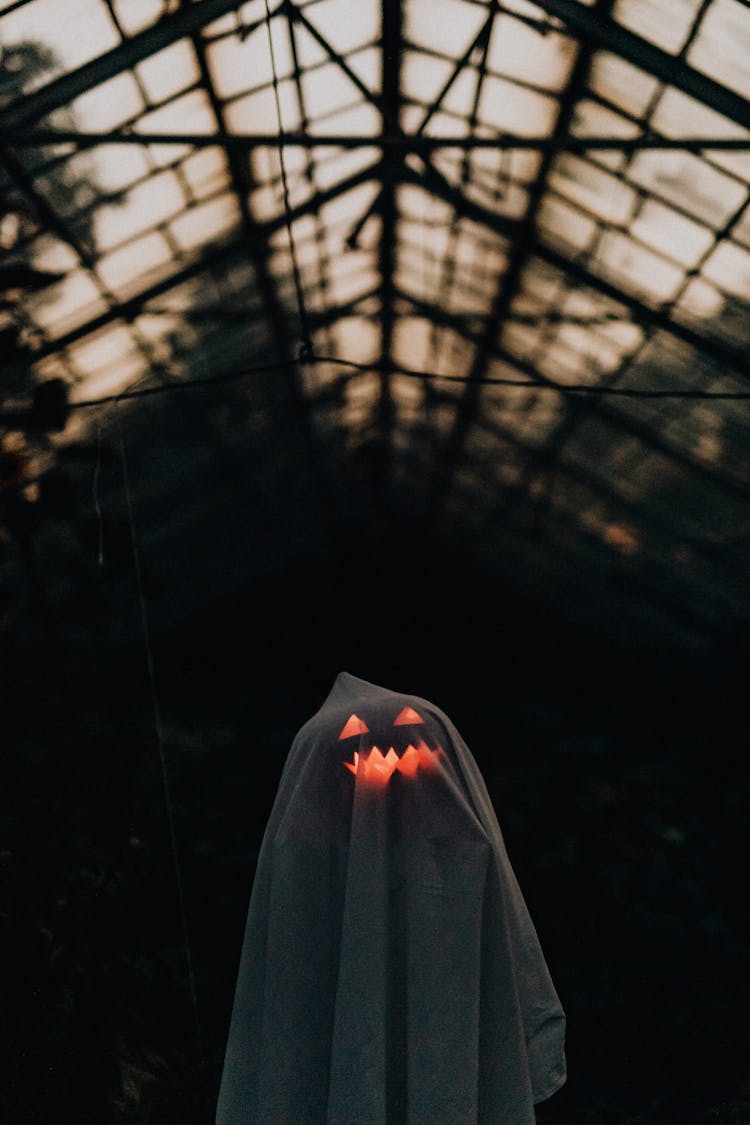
323	259
188	20
645	315
509	279
600	31
593	407
257	250
391	103
478	43
294	13
478	52
399	142
539	458
213	259
642	588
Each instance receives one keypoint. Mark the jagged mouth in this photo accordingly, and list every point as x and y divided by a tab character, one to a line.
379	768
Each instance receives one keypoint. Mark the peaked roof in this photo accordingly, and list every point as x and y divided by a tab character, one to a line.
297	269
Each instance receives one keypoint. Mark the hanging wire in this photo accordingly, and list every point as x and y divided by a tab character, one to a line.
408	373
158	727
97	502
305	351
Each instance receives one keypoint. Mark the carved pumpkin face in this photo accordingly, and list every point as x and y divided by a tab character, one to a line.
407	753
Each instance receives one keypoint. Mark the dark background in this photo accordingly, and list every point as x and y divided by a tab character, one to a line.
618	774
148	701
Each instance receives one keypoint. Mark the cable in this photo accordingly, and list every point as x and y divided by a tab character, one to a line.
158	727
95	492
306	347
409	373
186	384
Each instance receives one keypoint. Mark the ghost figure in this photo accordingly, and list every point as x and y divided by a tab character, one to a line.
390	973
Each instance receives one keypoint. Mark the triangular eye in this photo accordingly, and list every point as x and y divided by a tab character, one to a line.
407	717
352	726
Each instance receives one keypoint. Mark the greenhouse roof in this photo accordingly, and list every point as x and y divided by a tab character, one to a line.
479	268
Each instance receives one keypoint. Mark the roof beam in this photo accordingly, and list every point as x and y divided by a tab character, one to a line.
400	142
323	258
480	44
508	521
640	586
187	20
388	212
605	33
256	246
294	13
642	314
508	282
212	259
589	404
540	459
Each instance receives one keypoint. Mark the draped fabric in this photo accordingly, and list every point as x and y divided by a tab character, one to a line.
390	972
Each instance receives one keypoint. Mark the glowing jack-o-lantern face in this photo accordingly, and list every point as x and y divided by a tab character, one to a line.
374	766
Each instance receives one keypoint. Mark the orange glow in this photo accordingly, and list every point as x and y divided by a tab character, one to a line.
352	726
379	768
408	715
